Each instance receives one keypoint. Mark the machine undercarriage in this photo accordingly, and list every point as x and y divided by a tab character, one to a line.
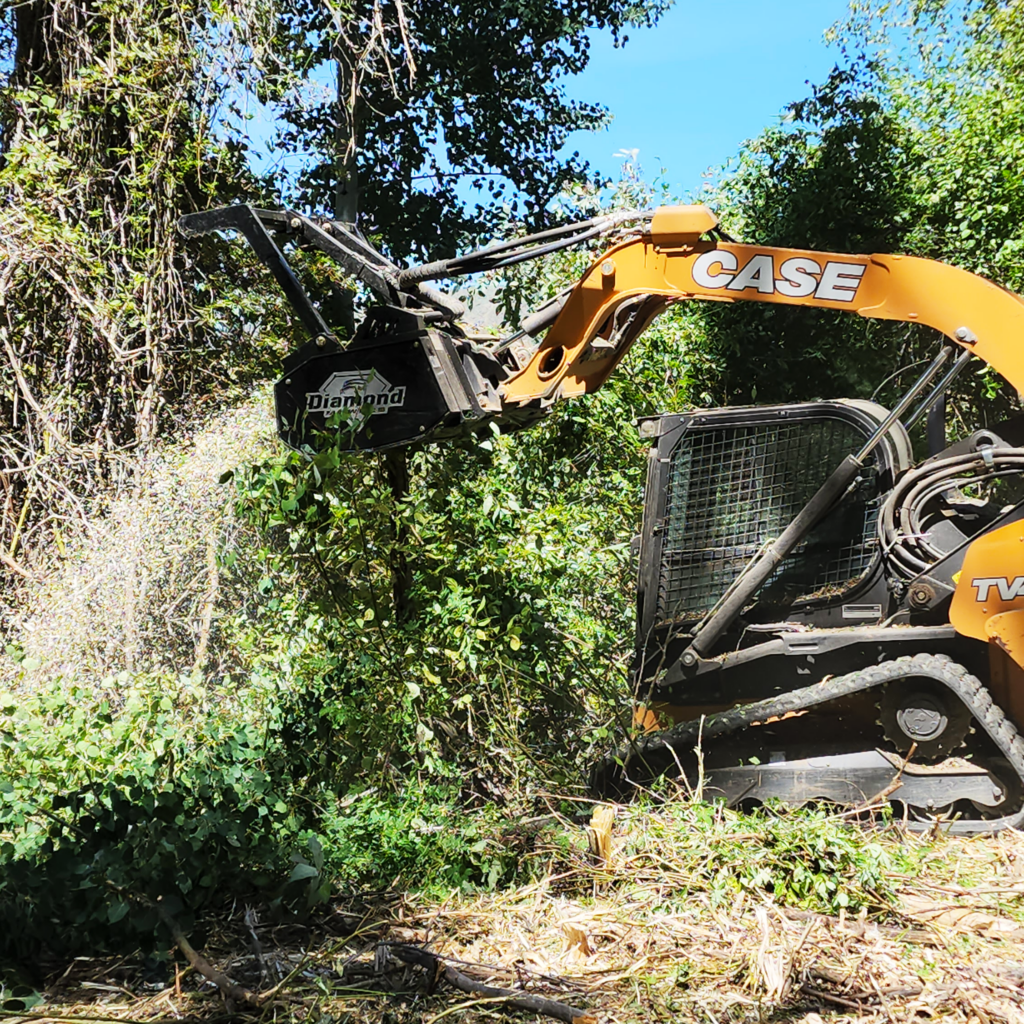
840	680
853	740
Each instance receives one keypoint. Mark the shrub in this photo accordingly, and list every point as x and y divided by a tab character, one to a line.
109	805
802	857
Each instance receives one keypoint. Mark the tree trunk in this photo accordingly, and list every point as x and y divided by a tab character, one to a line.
346	134
34	61
396	468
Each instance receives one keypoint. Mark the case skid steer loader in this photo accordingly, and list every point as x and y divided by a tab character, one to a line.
826	618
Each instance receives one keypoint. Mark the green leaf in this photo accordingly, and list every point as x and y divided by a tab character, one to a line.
22	998
117	910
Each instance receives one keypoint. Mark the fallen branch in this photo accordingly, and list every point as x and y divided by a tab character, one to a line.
436	968
228	989
829	997
49	1018
16	566
882	797
859	927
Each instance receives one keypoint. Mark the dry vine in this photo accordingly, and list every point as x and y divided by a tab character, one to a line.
105	142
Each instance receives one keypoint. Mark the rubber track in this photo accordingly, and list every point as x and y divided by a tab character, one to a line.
658	752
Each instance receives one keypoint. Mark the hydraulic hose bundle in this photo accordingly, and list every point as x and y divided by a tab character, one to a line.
903	519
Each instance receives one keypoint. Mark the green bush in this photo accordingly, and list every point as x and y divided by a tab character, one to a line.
422	839
429	630
803	857
163	794
107	806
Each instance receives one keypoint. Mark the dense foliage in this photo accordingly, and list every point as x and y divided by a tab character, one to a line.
162	795
111	328
117	119
430	98
119	791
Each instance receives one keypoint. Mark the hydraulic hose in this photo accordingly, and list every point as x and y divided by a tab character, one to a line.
516	250
901	519
452	308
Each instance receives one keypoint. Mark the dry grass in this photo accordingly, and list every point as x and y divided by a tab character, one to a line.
645	937
134	583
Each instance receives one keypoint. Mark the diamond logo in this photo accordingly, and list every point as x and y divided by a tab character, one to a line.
365	392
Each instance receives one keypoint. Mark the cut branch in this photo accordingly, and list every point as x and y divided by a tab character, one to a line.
436	968
228	989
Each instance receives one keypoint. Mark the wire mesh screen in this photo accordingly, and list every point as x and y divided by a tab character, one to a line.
732	489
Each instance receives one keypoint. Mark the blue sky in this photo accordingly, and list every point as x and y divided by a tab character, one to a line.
688	92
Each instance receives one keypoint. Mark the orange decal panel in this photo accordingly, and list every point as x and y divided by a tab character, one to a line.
991	581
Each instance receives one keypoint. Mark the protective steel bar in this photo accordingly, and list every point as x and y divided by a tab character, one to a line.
765	564
906	401
940	389
245	219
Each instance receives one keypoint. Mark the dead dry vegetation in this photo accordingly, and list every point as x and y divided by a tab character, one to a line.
647	927
134	582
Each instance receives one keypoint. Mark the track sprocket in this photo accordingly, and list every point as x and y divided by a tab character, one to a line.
923	716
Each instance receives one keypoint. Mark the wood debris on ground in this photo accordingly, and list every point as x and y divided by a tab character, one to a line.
620	930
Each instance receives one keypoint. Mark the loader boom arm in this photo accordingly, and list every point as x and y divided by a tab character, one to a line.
632	282
444	382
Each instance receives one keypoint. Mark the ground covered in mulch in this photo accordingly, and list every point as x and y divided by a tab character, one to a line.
687	913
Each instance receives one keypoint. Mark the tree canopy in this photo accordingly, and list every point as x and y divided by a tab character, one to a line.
432	100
